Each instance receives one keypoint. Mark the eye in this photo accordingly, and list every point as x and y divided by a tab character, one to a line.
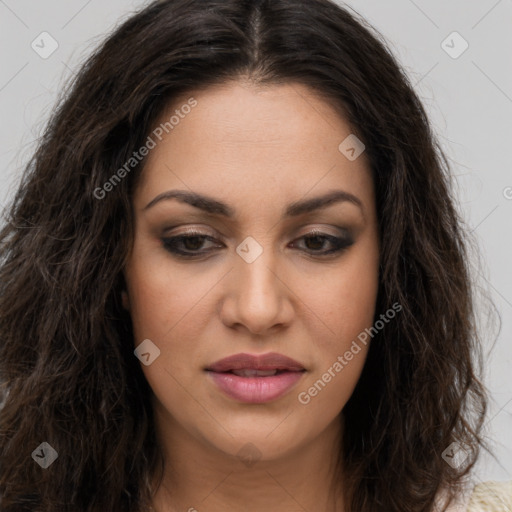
187	245
315	241
191	245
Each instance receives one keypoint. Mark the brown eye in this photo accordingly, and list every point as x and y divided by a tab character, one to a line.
187	245
315	242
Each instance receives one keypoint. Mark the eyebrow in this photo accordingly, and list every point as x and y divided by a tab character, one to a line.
215	207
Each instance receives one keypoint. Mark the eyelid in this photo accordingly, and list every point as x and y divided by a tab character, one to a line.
340	242
188	229
338	231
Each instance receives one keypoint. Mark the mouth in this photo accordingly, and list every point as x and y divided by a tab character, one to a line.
249	372
255	378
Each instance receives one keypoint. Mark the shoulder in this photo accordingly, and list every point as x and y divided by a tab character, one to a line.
484	497
491	497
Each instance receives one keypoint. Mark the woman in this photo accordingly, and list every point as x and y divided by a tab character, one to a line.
233	278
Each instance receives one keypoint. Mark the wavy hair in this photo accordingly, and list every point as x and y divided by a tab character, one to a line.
67	366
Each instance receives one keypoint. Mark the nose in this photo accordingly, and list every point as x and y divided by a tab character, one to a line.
258	297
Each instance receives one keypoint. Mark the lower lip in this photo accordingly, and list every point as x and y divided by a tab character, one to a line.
255	390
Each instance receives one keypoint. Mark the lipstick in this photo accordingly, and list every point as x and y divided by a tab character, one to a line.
255	379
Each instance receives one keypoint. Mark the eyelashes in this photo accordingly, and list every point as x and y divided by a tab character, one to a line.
172	244
189	245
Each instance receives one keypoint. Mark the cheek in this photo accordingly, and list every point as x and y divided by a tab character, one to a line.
345	301
165	308
324	396
340	357
168	305
346	304
162	297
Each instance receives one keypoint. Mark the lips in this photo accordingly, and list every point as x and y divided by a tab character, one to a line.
255	378
264	362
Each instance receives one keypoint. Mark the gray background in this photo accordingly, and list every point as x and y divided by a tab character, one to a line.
469	99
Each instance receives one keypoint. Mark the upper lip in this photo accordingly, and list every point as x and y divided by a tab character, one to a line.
269	361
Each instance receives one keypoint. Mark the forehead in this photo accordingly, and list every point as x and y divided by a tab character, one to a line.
247	142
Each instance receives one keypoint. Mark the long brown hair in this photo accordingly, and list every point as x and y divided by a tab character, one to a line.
66	345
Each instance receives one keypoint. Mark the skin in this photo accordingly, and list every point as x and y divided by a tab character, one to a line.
258	150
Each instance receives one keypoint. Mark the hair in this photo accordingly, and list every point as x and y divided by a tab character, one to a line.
67	367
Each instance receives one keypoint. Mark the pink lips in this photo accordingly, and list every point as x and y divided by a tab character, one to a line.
258	378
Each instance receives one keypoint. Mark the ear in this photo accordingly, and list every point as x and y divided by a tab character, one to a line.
125	300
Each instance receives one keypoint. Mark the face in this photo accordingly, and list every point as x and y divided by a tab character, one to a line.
279	270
